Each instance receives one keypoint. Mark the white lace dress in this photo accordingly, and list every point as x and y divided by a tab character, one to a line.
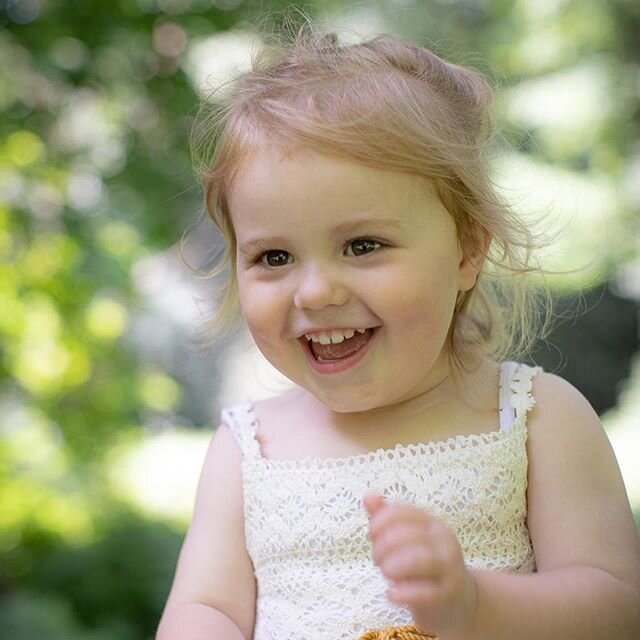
306	527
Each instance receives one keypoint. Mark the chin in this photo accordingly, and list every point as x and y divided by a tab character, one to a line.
347	403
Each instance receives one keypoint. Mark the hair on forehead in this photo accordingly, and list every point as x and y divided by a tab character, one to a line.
387	104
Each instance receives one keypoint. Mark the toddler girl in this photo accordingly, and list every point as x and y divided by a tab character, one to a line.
414	474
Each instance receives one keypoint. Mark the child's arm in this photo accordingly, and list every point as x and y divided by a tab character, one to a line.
213	592
584	537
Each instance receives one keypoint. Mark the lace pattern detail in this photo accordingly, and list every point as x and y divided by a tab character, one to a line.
307	531
521	399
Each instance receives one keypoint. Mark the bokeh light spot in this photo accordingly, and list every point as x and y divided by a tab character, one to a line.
210	62
174	7
23	11
69	53
159	474
40	366
148	6
169	39
106	318
24	148
85	191
34	455
119	238
158	391
47	256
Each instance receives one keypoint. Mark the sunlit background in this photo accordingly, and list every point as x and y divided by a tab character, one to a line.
108	396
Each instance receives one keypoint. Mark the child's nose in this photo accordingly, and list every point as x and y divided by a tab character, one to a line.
319	287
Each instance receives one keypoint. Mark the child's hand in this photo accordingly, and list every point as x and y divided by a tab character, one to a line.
421	556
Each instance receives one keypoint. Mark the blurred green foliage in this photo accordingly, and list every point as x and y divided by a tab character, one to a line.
96	100
115	586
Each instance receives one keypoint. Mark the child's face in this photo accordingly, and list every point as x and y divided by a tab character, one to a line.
327	246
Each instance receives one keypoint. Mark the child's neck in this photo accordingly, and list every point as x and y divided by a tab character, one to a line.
455	394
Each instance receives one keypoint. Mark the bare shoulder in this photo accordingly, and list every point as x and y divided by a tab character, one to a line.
578	510
214	567
553	392
278	420
563	414
564	426
565	431
221	469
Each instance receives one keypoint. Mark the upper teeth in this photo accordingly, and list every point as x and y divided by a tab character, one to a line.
332	337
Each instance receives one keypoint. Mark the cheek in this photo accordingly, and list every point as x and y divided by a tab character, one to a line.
426	307
245	295
250	303
261	306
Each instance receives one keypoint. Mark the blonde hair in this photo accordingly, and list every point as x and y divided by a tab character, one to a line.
392	105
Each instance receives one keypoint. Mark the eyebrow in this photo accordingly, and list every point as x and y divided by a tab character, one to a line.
354	225
262	243
256	245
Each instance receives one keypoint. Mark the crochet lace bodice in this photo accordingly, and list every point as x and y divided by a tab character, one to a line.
307	530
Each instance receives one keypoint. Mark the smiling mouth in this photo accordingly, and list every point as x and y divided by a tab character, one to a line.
333	352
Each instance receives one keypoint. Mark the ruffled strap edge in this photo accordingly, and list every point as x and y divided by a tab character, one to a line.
242	422
522	399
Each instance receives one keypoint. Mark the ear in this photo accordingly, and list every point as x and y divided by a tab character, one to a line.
473	251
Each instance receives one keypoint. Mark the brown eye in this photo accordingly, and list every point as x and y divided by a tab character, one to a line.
362	247
276	258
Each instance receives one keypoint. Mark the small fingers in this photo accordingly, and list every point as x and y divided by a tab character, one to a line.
413	592
372	502
412	562
401	535
387	515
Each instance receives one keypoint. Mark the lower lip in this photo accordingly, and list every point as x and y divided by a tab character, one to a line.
337	366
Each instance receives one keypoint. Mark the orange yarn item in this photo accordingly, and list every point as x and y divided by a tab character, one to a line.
396	633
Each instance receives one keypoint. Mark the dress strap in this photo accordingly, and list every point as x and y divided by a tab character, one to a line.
522	399
242	422
516	400
507	414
